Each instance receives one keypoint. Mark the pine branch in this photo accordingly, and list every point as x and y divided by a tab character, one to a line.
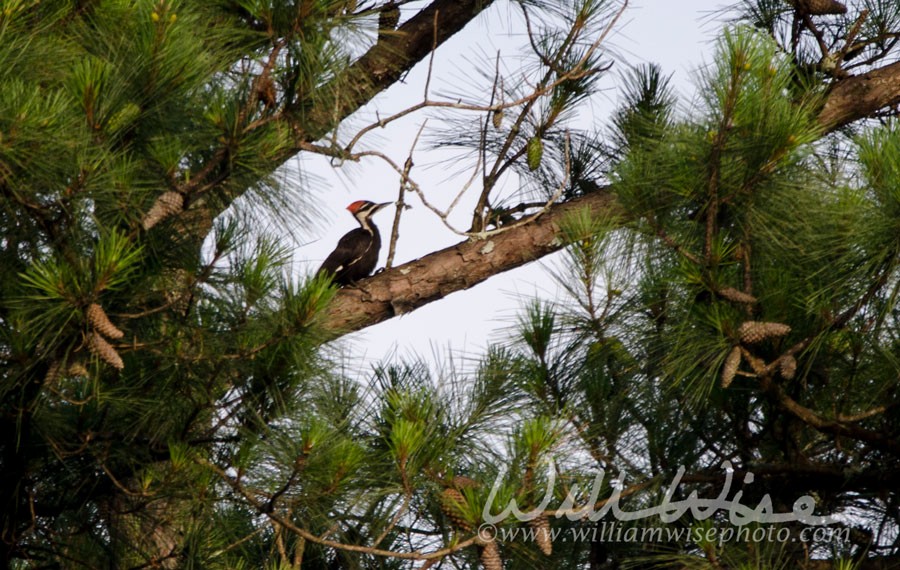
461	266
409	286
376	70
397	53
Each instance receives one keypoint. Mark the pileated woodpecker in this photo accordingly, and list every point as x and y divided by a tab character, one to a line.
356	253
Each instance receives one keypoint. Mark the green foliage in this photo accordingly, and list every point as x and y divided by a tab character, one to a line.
166	400
647	110
105	107
731	220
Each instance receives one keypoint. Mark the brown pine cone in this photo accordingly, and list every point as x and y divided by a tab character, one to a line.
101	323
735	296
541	526
788	367
453	505
53	373
819	7
463	482
265	92
98	345
490	556
729	369
752	332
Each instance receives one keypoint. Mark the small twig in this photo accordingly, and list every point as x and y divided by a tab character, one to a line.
601	503
299	551
478	214
404	508
483	234
434	45
55	391
677	247
851	35
863	415
888	42
279	542
441	214
876	439
253	96
239	542
401	203
577	71
544	86
528	219
820	38
128	492
456	105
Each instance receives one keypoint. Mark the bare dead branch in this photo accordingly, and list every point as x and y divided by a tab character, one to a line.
401	203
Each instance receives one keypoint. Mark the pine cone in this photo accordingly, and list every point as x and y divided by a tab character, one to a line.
541	526
453	504
101	323
788	367
167	204
819	7
735	296
463	482
265	91
497	118
77	369
490	557
534	152
98	345
754	331
729	369
53	373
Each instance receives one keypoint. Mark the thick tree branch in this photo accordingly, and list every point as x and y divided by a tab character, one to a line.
861	96
417	283
412	285
395	54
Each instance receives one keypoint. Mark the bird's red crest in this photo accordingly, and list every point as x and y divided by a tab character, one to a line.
355	206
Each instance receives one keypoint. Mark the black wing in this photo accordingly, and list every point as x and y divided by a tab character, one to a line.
354	257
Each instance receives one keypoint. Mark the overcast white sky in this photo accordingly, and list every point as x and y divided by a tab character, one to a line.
678	35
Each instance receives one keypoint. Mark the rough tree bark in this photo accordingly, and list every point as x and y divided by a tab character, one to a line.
861	96
407	287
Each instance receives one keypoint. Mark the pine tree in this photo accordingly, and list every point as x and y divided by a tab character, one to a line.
743	312
166	398
166	402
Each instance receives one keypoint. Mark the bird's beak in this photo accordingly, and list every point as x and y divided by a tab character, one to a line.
382	205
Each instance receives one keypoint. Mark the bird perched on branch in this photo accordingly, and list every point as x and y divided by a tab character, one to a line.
356	253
